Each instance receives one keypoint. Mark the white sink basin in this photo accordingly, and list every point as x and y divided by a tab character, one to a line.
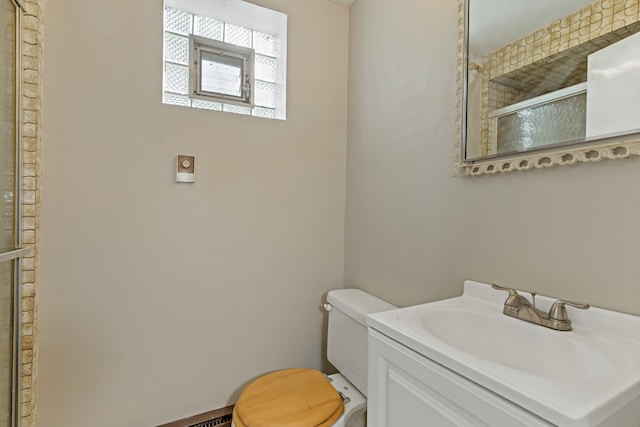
578	378
533	349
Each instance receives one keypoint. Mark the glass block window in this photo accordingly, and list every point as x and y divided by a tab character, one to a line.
221	74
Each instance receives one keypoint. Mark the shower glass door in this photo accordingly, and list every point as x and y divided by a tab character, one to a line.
10	23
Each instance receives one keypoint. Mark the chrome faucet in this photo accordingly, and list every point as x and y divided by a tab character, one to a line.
519	307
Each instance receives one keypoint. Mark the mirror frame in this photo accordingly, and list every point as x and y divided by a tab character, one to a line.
611	147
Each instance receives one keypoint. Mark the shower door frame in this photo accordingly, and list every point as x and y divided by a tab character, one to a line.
14	256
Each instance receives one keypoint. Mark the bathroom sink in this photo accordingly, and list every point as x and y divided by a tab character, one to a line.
576	379
502	340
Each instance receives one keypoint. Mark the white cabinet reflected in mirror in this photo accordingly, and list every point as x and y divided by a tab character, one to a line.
545	82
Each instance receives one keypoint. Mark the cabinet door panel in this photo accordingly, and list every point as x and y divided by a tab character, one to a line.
409	403
408	389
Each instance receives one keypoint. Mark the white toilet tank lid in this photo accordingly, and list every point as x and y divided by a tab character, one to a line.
357	304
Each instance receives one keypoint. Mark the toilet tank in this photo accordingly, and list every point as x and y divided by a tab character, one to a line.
347	332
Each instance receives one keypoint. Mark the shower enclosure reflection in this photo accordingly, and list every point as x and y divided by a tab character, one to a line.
545	74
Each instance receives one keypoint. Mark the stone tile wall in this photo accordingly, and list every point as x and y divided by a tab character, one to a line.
31	132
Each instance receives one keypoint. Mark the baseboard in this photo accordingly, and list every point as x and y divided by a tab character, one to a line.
216	418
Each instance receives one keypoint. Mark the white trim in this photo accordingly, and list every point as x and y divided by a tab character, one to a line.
237	12
542	99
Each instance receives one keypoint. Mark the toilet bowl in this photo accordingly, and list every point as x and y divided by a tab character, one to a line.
355	404
302	397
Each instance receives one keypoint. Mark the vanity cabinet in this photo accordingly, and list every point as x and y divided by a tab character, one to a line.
408	389
462	362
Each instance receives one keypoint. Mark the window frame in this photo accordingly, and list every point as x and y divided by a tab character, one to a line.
198	46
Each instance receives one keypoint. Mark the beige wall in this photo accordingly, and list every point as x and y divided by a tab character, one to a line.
414	233
160	300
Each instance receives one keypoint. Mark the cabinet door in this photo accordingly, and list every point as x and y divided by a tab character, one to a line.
408	389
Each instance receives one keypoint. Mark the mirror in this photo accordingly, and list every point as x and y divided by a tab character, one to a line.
545	82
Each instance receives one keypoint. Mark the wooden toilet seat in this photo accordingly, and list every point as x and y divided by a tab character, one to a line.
289	398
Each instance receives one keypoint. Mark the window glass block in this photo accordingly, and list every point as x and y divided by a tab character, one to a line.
206	105
238	109
268	113
177	21
237	35
265	94
176	48
208	27
174	99
265	68
176	78
265	44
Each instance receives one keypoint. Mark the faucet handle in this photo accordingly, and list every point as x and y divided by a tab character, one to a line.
514	299
559	312
512	292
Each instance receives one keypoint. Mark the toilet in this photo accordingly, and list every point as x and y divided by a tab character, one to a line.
301	397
